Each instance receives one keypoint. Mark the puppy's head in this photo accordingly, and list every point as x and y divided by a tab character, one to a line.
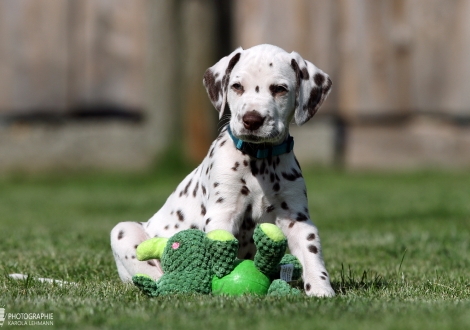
265	88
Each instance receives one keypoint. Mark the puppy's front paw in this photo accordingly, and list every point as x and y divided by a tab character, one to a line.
319	290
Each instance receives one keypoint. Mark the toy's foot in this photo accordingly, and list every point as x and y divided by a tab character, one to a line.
146	284
282	288
271	244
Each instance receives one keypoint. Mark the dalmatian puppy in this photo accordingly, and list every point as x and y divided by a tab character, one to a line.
250	174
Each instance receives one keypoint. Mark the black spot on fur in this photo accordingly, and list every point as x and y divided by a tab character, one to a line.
308	287
214	88
203	210
187	187
245	191
301	217
249	208
313	100
276	187
207	221
284	206
235	166
305	74
325	274
291	176
319	79
203	189
313	249
166	227
120	234
233	61
211	152
257	89
248	223
270	208
220	200
270	64
245	162
151	263
177	226
242	181
311	237
298	75
292	224
195	189
193	226
262	167
254	167
216	184
223	142
323	277
329	83
135	246
180	215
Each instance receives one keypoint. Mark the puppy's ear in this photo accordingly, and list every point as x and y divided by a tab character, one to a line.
312	88
216	79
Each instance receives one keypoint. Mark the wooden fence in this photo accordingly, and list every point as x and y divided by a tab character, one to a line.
400	70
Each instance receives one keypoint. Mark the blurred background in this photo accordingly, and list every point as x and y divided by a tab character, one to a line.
115	84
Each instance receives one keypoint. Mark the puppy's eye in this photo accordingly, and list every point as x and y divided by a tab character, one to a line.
237	87
278	89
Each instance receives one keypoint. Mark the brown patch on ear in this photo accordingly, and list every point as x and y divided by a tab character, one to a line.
214	88
305	74
319	79
298	76
329	83
313	100
233	61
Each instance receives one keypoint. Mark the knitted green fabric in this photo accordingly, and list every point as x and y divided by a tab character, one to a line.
282	288
185	250
191	260
286	260
223	255
269	252
146	284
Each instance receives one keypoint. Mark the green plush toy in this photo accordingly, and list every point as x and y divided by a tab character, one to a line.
194	262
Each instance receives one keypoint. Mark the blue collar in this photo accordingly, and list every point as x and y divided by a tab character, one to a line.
256	151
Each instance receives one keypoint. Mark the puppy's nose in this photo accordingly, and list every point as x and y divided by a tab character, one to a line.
252	120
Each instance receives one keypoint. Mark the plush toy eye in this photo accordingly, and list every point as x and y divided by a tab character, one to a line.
175	245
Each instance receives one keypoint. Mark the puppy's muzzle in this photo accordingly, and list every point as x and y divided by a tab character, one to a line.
253	120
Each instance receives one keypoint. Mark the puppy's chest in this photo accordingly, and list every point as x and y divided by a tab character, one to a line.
252	187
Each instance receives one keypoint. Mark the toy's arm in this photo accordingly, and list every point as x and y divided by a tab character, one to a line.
151	248
271	245
223	248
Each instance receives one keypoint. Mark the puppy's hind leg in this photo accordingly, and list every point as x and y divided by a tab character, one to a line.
125	237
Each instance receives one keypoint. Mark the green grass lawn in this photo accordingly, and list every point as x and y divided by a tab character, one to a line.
396	246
